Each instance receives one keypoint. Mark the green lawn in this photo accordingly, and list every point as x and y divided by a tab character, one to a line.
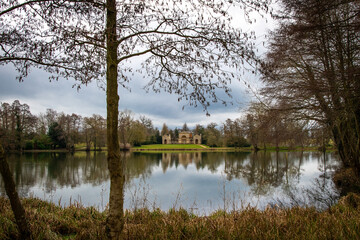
170	146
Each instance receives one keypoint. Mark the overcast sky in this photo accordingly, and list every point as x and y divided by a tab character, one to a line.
40	94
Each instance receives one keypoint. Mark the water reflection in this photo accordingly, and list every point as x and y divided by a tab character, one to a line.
184	159
203	181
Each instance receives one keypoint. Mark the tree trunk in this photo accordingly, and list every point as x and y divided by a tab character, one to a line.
347	142
16	206
115	221
95	147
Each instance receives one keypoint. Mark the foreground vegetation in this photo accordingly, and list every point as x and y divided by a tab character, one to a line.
49	221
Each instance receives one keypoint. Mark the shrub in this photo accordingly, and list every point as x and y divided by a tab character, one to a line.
29	145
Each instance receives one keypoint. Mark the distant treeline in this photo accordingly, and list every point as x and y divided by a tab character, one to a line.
21	130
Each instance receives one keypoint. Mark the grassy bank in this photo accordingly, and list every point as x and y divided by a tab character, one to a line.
49	221
170	147
187	147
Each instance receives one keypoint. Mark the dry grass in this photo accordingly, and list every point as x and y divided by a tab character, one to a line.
49	221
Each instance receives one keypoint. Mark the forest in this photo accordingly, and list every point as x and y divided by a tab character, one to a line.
259	128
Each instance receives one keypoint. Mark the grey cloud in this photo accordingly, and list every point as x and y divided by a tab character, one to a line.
40	94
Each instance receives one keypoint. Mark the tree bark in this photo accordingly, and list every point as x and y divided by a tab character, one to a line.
10	189
347	141
115	221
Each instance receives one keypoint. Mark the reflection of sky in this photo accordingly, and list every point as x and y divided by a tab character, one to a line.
200	190
86	194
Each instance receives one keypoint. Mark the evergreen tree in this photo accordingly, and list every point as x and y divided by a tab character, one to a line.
164	130
185	128
57	135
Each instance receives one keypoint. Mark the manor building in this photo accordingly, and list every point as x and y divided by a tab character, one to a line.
184	138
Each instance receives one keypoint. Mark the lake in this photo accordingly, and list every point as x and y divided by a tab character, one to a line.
201	182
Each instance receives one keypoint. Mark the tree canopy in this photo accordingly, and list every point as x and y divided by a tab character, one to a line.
187	47
312	68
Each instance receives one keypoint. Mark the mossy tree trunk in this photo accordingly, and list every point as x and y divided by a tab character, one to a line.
347	139
10	189
115	221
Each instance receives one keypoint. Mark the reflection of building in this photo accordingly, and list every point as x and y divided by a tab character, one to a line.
184	138
165	161
184	159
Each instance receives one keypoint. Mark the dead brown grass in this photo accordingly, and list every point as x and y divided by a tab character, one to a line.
49	221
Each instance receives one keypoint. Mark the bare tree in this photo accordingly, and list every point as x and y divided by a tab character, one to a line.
188	48
233	133
16	124
126	118
150	131
95	131
212	136
313	70
255	125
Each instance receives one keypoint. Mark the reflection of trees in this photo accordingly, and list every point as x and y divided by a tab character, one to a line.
211	161
58	170
54	170
326	165
139	165
75	169
263	171
321	192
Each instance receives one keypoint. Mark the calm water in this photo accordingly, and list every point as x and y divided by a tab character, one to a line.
200	182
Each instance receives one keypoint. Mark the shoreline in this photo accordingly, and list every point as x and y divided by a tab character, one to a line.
175	149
